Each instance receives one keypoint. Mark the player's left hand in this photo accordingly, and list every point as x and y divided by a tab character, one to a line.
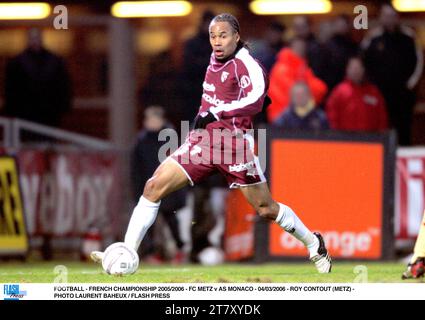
203	119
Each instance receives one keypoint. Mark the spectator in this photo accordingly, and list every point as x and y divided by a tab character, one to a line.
37	85
356	104
302	113
339	49
315	55
325	31
196	58
144	161
162	86
265	51
290	68
273	42
394	63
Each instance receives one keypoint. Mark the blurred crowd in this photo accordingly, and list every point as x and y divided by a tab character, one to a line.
316	82
331	82
342	84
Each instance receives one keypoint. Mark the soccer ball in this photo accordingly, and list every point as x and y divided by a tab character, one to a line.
120	259
211	256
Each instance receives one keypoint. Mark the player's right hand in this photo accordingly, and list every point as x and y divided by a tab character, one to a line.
203	119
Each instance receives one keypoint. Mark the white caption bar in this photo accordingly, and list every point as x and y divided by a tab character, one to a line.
237	291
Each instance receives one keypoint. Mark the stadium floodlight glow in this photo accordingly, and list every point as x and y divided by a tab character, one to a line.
138	9
409	5
264	7
24	10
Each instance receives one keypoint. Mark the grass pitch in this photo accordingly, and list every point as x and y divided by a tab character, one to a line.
79	272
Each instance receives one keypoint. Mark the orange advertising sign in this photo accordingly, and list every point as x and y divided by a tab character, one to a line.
239	233
335	188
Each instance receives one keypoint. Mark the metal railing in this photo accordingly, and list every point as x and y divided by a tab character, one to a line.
6	136
12	136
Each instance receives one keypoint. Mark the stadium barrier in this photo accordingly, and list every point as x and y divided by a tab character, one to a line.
410	195
5	133
70	183
341	184
67	192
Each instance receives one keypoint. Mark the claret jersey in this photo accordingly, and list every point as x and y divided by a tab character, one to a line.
234	91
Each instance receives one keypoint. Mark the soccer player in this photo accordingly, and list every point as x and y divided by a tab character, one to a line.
235	88
416	267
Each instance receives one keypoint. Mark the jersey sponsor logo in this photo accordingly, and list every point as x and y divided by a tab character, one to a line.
224	76
195	150
212	100
184	148
245	81
208	86
242	167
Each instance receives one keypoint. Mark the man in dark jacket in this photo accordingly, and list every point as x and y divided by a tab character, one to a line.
196	57
271	45
315	54
144	161
37	86
339	49
394	63
302	113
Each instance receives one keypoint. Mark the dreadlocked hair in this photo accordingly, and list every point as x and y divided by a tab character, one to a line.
234	24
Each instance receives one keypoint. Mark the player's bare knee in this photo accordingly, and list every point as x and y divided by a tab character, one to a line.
152	190
265	211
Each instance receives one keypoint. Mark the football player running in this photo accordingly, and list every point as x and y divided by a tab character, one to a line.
235	88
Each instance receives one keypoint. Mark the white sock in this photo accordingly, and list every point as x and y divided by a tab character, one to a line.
144	215
289	221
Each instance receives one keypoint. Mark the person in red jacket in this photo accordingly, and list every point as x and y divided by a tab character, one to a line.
356	104
291	67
